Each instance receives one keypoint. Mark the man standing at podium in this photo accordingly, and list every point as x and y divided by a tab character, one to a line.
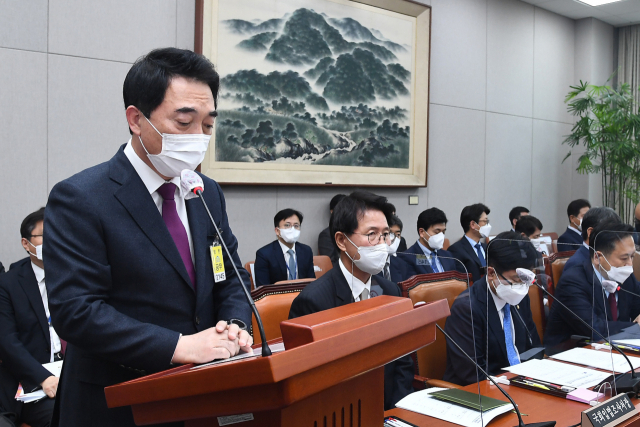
129	272
360	226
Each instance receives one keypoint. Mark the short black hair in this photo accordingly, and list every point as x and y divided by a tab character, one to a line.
472	213
596	216
528	225
351	209
30	222
510	250
429	217
605	236
284	214
575	206
335	200
148	79
395	221
516	213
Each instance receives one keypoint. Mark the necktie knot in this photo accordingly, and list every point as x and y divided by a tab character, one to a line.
291	252
167	191
478	245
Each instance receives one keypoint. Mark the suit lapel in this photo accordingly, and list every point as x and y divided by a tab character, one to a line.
471	251
29	284
596	289
198	224
343	290
279	258
135	198
495	327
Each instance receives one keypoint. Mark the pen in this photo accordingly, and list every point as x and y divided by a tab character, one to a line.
556	386
532	384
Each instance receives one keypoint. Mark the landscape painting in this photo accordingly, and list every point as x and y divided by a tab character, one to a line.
322	87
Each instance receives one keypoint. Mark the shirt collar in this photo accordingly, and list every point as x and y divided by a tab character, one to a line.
149	177
571	227
356	285
473	242
598	274
426	250
285	249
585	245
39	272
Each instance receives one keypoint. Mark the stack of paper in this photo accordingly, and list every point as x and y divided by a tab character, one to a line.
608	361
29	397
559	373
423	403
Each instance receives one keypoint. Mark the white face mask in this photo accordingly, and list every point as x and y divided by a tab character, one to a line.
393	247
436	242
579	226
179	152
289	235
38	253
513	293
610	286
619	274
485	230
372	258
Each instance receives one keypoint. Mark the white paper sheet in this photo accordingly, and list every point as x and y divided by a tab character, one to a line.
54	367
559	373
275	348
423	403
598	359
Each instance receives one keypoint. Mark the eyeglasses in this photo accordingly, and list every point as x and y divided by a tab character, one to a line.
486	221
375	238
288	226
393	237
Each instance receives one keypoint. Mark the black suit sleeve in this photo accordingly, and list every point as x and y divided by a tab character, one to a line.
261	269
15	357
527	316
325	243
309	272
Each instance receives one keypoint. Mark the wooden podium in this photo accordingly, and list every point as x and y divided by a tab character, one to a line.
331	373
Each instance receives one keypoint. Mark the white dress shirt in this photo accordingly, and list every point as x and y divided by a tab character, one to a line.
356	285
285	251
55	340
571	227
153	181
473	244
500	303
428	254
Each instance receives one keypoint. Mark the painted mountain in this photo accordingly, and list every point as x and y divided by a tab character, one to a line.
312	88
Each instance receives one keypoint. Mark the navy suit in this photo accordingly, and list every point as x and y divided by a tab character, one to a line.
581	291
1	268
569	241
25	342
332	290
423	266
476	300
119	292
577	259
399	269
463	251
270	266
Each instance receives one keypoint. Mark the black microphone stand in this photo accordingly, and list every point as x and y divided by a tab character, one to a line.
266	351
515	407
625	382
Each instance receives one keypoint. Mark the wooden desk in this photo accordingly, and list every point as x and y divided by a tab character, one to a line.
538	407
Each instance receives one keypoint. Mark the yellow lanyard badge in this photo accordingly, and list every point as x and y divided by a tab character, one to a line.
218	263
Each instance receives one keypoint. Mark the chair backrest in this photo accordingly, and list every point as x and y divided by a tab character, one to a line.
553	267
432	359
554	246
321	264
273	303
536	299
636	265
446	244
252	275
552	234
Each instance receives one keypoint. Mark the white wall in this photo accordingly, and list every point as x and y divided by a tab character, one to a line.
499	72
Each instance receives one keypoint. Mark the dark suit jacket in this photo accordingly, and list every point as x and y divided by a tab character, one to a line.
119	293
577	259
332	290
581	291
270	266
476	300
326	246
1	268
25	343
463	251
403	245
423	266
399	269
569	240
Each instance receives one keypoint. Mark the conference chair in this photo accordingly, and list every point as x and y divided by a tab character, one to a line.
321	264
430	362
536	298
446	244
273	303
252	273
553	267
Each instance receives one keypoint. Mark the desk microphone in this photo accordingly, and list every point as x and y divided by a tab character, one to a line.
625	382
515	407
193	183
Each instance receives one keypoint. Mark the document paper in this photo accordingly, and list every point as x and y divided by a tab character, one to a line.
423	403
598	359
559	373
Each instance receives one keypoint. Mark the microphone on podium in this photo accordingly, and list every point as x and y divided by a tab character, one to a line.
625	382
192	182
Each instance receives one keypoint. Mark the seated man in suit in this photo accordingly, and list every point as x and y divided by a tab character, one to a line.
502	320
325	239
515	214
360	226
531	228
396	228
426	255
472	247
590	220
591	291
285	258
27	339
571	239
395	269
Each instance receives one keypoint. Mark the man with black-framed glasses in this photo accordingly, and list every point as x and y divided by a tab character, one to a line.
27	339
285	258
360	225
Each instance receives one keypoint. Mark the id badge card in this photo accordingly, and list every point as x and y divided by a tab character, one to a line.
422	260
217	262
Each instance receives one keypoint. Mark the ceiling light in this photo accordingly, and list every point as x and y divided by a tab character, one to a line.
597	2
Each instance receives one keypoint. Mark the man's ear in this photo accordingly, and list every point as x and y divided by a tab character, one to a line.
133	118
341	241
